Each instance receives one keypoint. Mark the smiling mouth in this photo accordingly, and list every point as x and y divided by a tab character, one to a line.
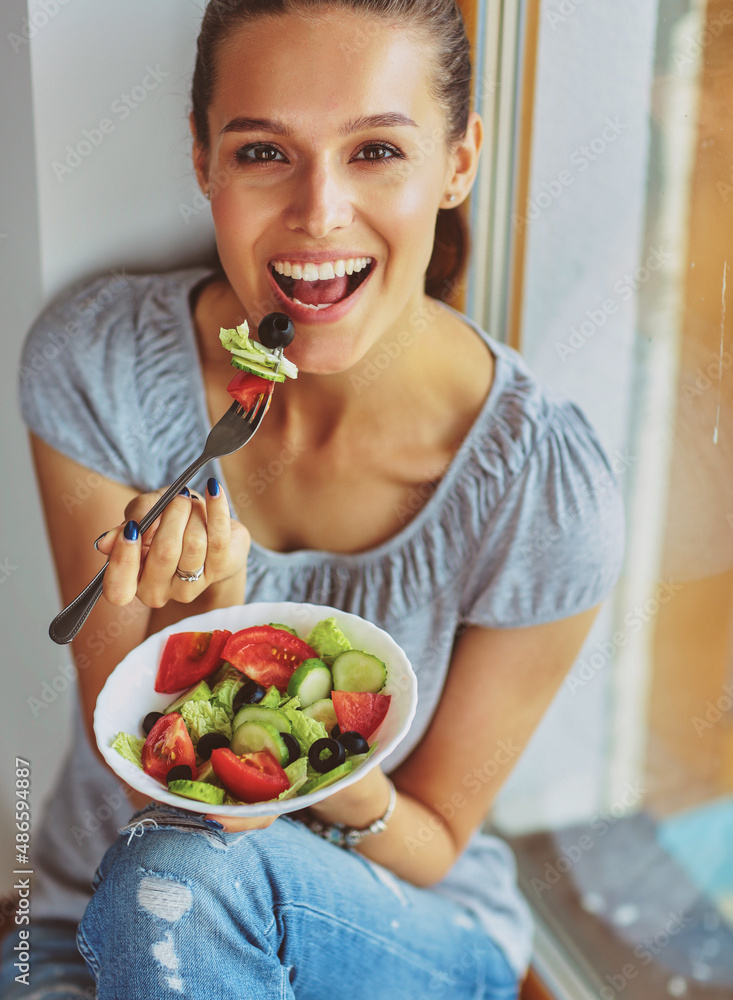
318	286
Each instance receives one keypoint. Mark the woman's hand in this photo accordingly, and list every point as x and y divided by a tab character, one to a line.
359	804
191	533
235	824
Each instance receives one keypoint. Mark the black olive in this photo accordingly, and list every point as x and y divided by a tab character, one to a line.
149	721
353	742
209	742
181	772
275	330
333	751
336	731
293	747
249	694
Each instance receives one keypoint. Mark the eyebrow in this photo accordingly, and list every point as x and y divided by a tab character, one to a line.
388	119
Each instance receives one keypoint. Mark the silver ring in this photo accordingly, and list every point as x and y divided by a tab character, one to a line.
190	577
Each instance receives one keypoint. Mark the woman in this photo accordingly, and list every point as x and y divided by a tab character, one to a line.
442	495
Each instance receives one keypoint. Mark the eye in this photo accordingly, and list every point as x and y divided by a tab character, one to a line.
258	152
374	151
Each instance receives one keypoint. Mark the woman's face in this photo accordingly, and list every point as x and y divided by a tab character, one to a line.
326	152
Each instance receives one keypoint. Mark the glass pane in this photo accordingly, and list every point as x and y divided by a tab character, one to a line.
621	812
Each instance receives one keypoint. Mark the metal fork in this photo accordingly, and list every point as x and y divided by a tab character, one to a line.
228	435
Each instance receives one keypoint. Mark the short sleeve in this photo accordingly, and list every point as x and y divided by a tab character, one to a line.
554	543
77	387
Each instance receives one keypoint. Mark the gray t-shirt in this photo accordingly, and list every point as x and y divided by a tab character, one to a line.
525	527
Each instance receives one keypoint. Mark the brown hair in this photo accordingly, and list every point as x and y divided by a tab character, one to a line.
450	86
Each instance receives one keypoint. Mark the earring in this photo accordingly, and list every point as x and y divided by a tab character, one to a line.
451	197
207	195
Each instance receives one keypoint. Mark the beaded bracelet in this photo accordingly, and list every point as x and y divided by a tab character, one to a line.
348	836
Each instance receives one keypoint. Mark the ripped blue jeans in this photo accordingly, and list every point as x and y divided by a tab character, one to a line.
184	910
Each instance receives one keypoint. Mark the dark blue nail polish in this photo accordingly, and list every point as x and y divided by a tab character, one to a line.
184	492
213	487
98	540
213	824
131	531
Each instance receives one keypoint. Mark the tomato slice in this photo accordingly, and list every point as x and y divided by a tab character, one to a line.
168	745
188	657
360	711
246	387
251	777
267	655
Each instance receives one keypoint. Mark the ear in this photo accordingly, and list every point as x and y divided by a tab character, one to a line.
464	160
200	158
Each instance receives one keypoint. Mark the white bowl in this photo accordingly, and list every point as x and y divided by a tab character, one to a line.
129	695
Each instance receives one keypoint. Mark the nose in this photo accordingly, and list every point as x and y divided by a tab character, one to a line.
321	202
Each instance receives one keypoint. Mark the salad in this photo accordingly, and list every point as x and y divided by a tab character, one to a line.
259	714
258	367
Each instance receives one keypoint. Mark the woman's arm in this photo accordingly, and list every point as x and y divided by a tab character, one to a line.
79	505
499	686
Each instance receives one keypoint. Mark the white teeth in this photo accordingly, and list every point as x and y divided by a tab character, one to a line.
321	272
310	305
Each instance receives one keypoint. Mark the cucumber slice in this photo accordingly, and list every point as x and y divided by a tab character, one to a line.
254	368
327	779
322	711
358	671
199	692
285	628
310	682
199	790
256	713
252	737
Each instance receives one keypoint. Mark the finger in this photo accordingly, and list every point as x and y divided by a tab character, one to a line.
123	569
218	531
237	824
193	555
136	510
165	552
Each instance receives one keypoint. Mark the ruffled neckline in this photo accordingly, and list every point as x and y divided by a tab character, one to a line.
428	514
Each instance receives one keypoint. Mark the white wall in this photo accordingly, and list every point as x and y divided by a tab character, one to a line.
128	204
585	233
